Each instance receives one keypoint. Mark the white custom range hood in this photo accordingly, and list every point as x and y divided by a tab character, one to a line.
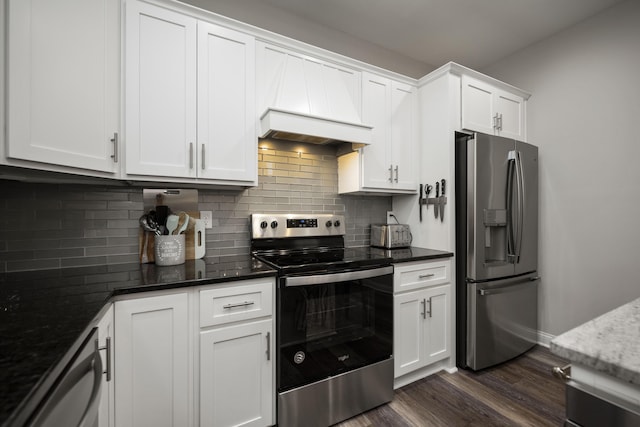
305	99
300	127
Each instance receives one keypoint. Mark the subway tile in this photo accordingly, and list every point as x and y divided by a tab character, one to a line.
302	179
58	253
82	261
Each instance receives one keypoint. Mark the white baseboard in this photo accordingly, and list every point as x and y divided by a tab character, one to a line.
544	339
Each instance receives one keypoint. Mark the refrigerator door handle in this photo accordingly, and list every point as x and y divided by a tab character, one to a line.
506	289
520	198
511	243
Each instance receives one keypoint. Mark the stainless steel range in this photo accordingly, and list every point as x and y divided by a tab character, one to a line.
334	318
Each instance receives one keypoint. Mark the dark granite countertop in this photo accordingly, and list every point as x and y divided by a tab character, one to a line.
44	313
413	254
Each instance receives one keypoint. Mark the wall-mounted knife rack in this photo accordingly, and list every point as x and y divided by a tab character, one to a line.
438	202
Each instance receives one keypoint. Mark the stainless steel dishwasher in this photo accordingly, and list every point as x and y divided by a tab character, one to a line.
75	397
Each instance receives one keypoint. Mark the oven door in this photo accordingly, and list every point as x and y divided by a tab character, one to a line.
332	323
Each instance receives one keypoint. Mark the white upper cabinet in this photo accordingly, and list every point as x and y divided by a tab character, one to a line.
388	165
489	109
190	98
160	91
63	85
228	145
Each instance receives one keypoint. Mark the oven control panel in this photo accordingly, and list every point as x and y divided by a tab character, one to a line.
275	226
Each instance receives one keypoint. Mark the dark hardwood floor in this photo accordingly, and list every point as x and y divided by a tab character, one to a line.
521	392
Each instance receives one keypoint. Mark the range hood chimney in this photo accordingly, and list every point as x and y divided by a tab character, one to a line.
293	126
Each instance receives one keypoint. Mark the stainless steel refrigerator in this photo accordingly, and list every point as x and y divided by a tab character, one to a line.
496	249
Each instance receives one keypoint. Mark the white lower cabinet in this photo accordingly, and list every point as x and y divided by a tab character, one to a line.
197	357
237	355
422	315
236	375
153	368
106	408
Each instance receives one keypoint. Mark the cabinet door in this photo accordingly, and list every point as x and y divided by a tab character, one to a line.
63	78
227	138
376	160
408	332
236	375
106	410
477	106
438	325
160	135
152	362
491	110
403	136
510	108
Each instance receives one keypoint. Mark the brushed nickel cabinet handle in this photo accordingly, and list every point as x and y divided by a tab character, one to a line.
203	157
426	276
391	173
107	348
114	140
396	173
241	304
268	345
424	308
563	373
430	308
191	155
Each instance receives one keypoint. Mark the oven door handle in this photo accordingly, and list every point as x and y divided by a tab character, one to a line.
321	279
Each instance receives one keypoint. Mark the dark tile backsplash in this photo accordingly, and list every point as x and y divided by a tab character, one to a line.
63	225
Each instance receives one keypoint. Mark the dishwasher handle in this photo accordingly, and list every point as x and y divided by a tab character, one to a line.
91	411
91	363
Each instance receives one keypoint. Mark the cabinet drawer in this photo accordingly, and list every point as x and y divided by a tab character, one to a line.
236	302
416	275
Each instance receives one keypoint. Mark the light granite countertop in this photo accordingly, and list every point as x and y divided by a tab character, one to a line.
609	343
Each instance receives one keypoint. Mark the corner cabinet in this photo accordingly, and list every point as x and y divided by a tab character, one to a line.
190	99
63	86
422	318
489	109
106	334
388	165
153	361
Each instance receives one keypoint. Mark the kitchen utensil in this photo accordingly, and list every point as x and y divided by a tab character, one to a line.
427	191
148	224
172	223
443	200
183	222
435	208
162	212
420	202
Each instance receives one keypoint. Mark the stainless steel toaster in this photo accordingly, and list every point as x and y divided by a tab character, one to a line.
390	236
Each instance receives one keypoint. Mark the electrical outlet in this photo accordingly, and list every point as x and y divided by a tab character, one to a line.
207	217
391	218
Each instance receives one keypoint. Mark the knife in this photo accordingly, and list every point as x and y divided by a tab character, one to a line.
435	208
443	200
427	191
420	202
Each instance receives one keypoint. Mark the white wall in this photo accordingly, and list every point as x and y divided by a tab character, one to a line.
584	115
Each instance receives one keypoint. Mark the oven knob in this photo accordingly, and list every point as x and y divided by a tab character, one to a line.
274	224
329	224
337	223
263	224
